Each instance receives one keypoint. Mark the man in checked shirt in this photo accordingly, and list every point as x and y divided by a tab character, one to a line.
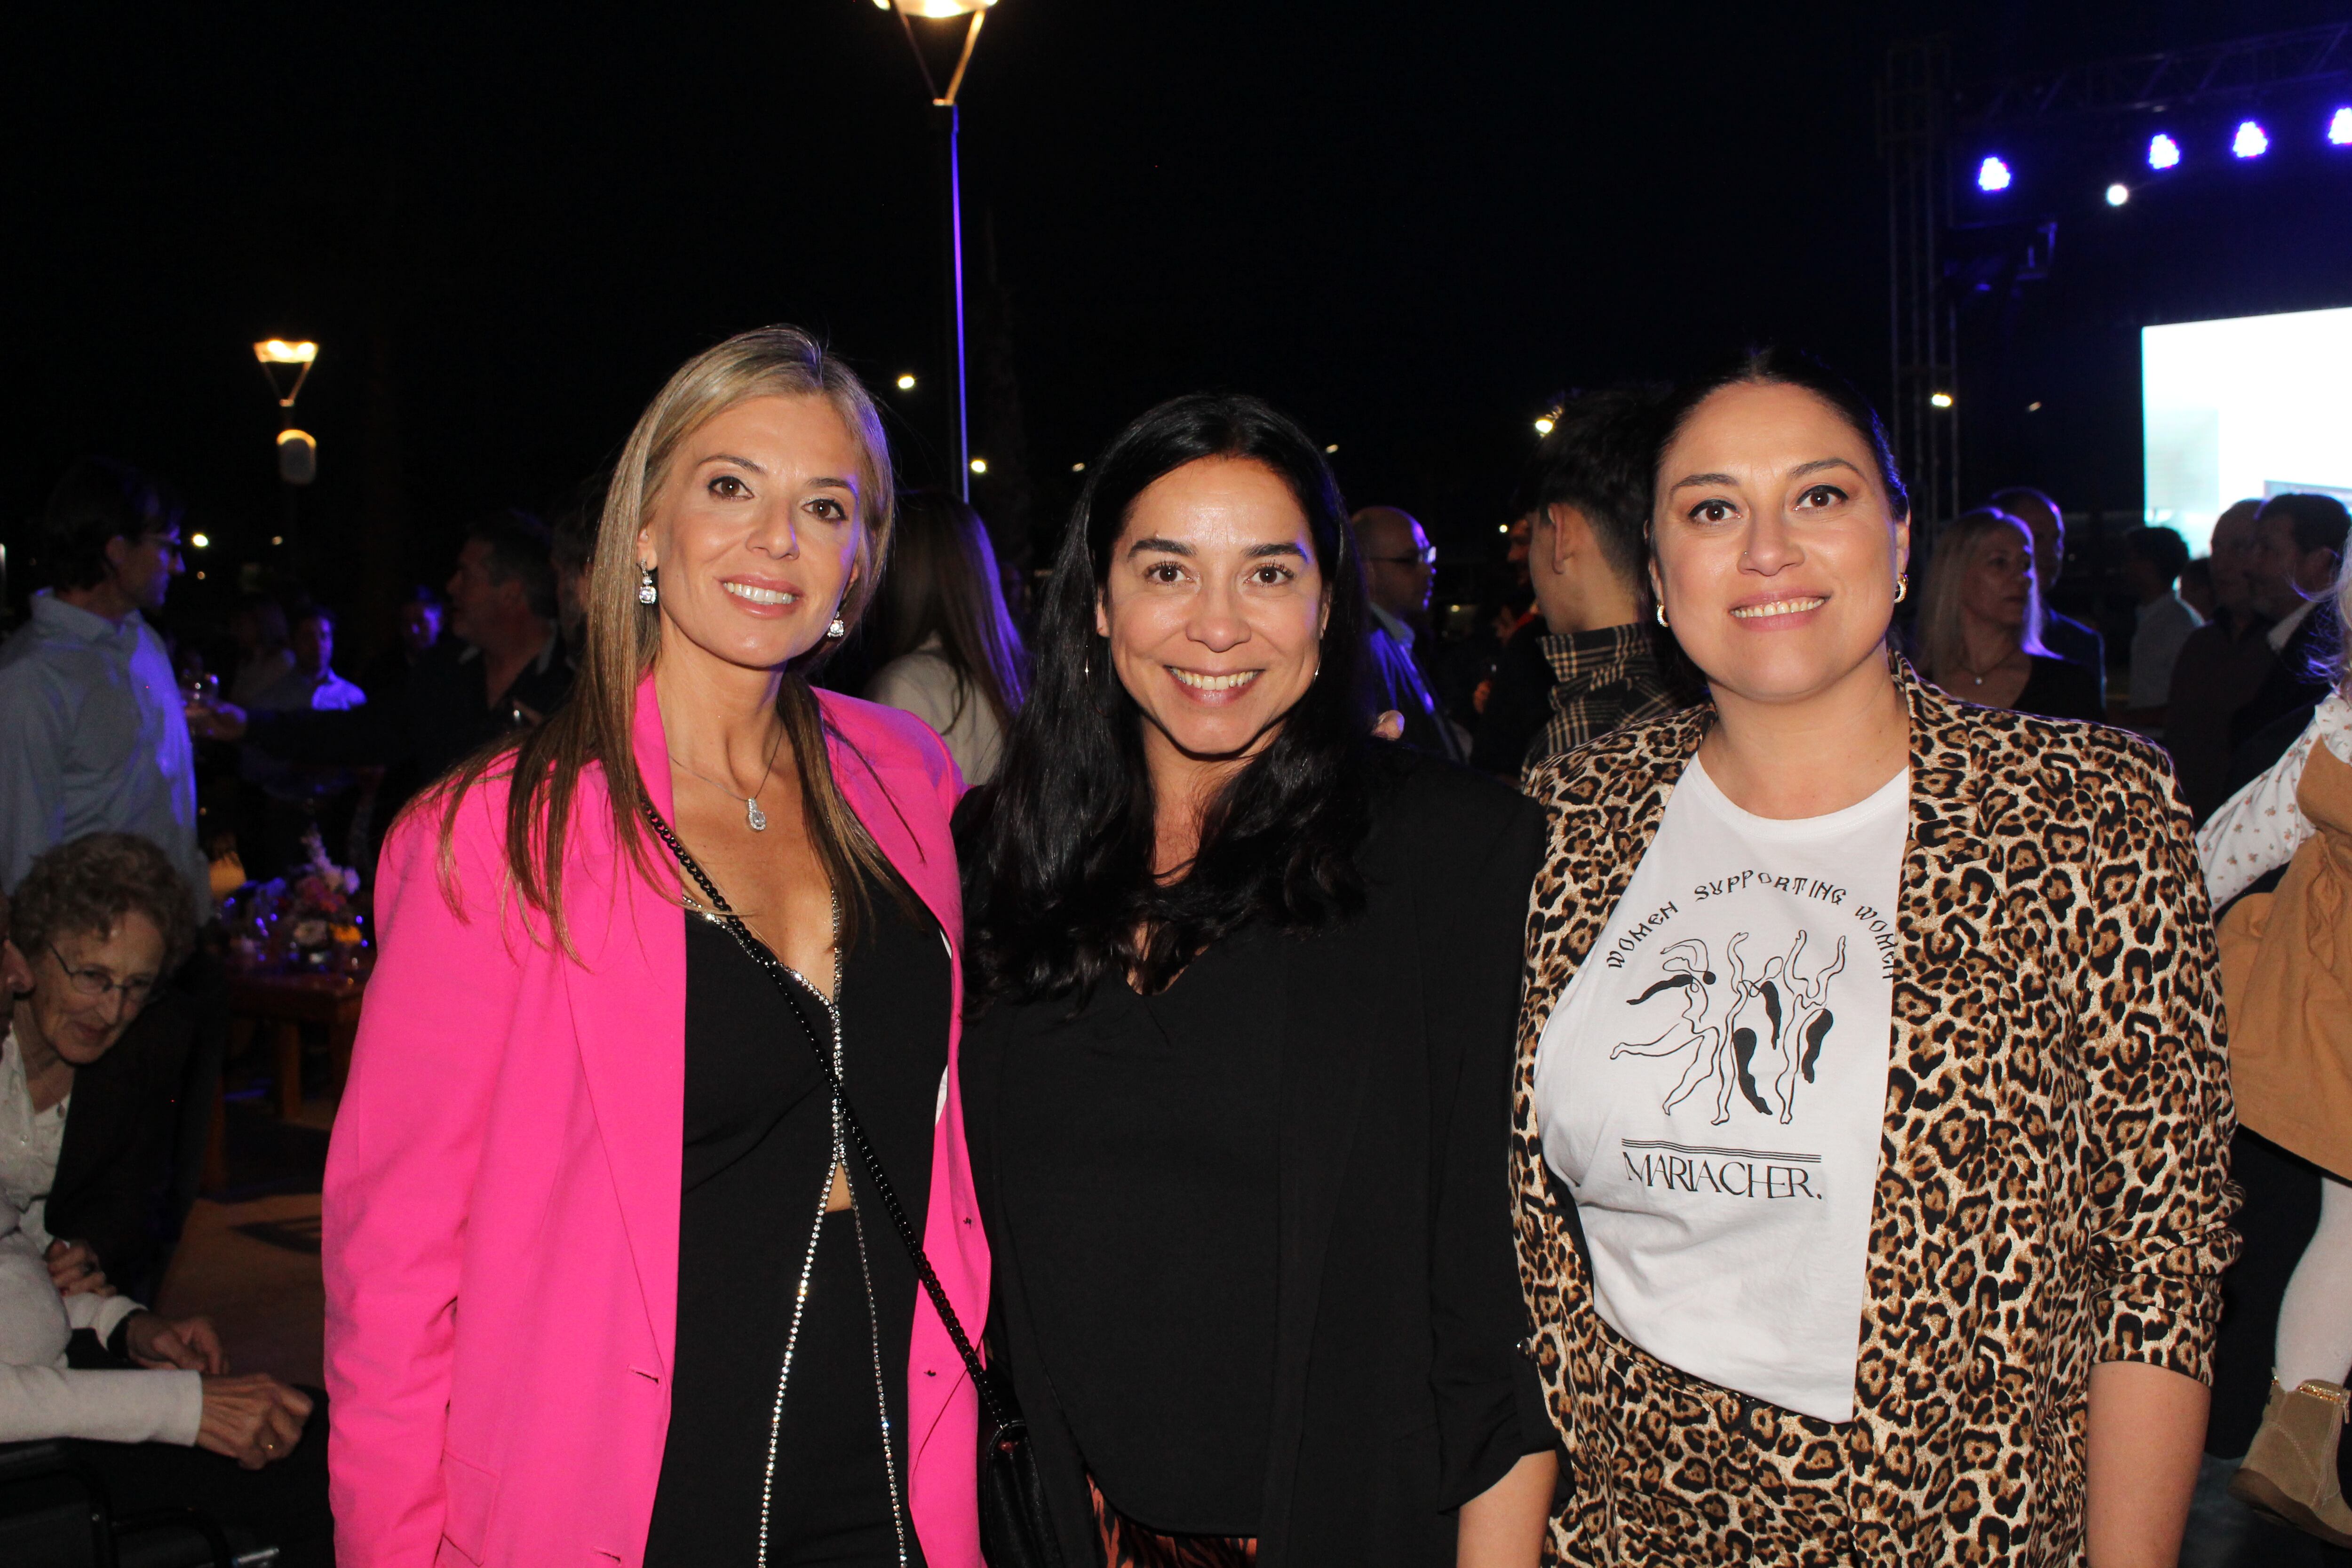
1587	493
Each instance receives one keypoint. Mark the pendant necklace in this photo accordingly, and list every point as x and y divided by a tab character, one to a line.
753	815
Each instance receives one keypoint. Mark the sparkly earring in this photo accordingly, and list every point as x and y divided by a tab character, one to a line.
1662	615
1902	586
646	591
837	631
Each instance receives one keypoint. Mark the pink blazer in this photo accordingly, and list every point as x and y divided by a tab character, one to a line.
501	1204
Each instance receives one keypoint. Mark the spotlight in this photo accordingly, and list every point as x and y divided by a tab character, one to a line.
1940	399
1077	468
2163	152
2250	141
2340	130
2118	193
906	382
1543	425
1992	174
1332	448
201	541
979	464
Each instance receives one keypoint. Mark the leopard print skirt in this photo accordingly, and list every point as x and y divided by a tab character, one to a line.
1120	1542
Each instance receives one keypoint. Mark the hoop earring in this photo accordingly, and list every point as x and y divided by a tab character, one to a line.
837	631
1902	586
1662	615
646	591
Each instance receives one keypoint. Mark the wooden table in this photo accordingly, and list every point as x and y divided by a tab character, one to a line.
285	1002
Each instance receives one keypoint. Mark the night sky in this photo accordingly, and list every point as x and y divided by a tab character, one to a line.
1408	225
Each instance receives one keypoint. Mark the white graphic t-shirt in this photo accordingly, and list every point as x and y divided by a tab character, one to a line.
1712	1086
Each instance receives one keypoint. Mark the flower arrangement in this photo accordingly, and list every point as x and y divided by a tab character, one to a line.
305	920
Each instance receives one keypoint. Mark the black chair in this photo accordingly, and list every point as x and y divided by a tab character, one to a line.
54	1513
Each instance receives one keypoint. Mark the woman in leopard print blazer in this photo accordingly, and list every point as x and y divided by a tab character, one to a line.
2049	1215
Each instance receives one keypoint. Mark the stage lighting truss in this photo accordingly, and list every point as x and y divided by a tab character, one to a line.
1992	175
2250	141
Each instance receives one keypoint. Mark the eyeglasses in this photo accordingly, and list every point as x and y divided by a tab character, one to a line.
1424	556
95	982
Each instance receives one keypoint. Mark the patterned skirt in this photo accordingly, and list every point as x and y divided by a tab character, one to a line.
1123	1543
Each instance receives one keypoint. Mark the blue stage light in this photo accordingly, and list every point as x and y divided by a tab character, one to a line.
2163	152
2118	193
1992	174
2250	141
2340	130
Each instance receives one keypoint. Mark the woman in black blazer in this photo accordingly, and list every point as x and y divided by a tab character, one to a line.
1236	1080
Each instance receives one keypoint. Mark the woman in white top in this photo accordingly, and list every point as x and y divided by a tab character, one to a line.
1870	1142
952	657
93	924
2286	970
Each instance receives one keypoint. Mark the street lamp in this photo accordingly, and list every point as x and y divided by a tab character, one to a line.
285	366
972	13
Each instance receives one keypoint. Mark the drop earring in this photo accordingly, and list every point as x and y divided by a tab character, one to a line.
837	631
1902	586
646	591
1661	612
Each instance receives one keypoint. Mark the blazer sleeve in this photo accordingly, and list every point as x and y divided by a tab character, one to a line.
1476	936
2157	1075
407	1144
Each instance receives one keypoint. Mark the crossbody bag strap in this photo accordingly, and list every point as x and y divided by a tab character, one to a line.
759	953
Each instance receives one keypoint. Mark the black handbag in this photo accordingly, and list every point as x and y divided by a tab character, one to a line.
1014	1531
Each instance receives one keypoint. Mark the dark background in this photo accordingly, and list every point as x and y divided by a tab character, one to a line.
1409	226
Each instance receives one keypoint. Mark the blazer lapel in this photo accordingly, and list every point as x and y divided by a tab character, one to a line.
925	860
1948	979
628	1010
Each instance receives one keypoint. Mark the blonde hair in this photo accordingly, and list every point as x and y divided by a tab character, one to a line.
594	727
1942	648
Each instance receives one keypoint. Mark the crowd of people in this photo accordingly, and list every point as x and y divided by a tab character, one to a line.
1734	1049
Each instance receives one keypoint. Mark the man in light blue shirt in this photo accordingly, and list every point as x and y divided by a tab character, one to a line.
96	735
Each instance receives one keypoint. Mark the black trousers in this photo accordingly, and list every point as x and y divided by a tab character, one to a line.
282	1504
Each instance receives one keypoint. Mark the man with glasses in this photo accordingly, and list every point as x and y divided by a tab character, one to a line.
1400	564
97	740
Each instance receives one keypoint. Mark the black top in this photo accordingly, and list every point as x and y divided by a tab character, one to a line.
1138	1146
2060	688
1377	1057
756	1163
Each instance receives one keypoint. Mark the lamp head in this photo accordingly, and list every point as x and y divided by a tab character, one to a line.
936	10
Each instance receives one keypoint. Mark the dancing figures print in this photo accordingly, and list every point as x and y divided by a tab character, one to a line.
1797	1019
1712	1086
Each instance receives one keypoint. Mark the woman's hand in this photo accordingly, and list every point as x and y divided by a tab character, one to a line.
74	1270
254	1419
184	1345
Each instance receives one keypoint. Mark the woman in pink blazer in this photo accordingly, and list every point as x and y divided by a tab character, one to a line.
603	1285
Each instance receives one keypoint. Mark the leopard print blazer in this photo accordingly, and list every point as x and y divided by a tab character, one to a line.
2053	1188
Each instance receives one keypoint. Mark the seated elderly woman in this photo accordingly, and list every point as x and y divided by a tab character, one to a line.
94	925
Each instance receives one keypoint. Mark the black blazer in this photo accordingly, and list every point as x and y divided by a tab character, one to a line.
115	1163
2296	679
1399	1372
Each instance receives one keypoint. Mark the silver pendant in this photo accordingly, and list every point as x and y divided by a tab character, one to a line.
754	816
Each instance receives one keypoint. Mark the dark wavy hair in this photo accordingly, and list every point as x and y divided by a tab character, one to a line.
1059	891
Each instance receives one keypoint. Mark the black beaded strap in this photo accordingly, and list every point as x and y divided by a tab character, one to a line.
758	953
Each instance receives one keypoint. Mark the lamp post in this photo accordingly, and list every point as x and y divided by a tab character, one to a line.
287	365
972	13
